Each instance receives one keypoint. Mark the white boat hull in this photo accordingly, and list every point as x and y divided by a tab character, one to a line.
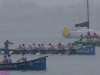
76	34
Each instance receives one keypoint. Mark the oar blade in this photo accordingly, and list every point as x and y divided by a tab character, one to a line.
2	52
10	52
37	53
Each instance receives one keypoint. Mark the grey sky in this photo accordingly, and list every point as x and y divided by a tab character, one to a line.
37	10
50	3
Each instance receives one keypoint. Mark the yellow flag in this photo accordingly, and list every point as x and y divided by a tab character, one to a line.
65	32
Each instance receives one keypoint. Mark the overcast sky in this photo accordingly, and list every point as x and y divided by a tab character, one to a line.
45	10
50	3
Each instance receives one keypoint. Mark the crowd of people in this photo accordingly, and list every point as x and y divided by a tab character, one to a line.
50	47
71	46
42	47
34	47
89	36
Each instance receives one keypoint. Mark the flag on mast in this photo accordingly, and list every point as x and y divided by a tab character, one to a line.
65	32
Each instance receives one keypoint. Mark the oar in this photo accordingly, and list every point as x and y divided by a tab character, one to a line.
2	52
10	52
38	53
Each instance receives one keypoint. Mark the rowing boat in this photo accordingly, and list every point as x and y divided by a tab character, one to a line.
87	43
86	50
12	51
36	64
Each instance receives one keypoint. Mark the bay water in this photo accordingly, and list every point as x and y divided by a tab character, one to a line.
46	33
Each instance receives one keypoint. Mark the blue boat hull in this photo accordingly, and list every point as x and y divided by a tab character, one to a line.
37	64
32	51
85	51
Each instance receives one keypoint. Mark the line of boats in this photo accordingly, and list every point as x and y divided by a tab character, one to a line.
87	43
40	63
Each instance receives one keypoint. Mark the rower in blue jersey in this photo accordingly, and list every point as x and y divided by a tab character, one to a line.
23	58
7	44
9	60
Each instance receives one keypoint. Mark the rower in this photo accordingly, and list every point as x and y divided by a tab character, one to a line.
62	47
69	46
39	47
34	47
72	46
81	46
52	47
20	47
23	47
23	58
7	44
9	60
42	47
30	47
59	45
49	48
4	59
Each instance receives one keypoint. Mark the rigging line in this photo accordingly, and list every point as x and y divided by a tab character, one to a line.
88	11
